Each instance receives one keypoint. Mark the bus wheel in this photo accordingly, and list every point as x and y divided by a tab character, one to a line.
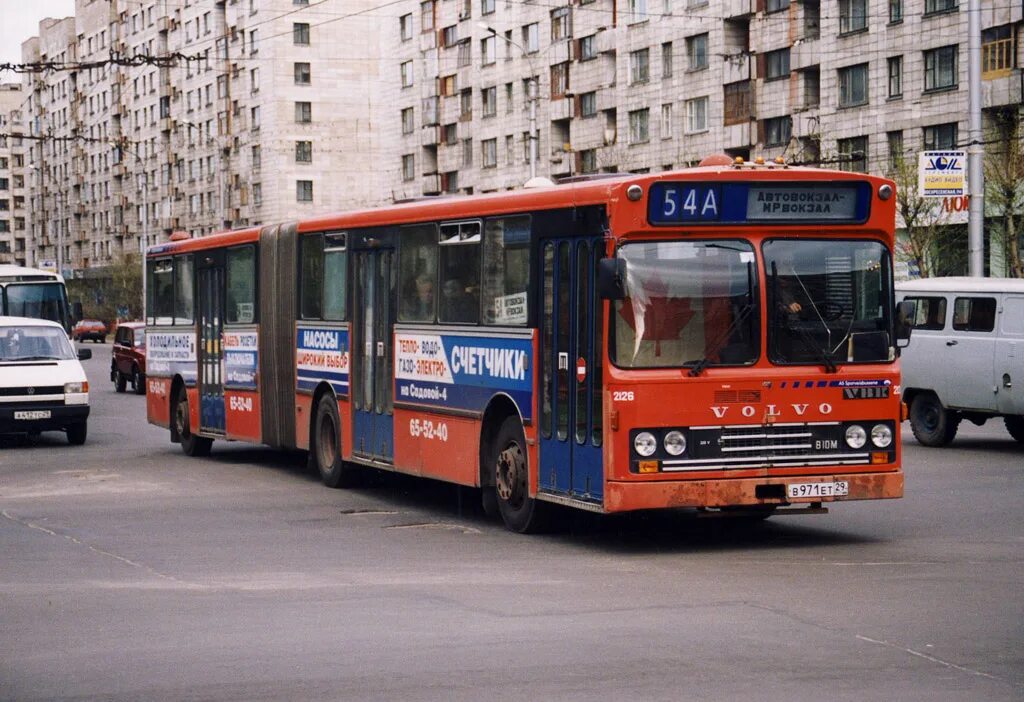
326	449
933	424
519	511
191	444
1015	425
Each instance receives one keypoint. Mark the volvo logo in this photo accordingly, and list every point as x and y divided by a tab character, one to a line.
31	391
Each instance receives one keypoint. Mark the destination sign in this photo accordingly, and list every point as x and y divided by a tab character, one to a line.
673	203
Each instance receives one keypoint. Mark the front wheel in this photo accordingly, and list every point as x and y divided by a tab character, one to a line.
138	382
77	433
933	424
326	448
1015	425
120	382
520	512
191	444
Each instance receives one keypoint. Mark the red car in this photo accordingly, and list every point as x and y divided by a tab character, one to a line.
128	358
90	329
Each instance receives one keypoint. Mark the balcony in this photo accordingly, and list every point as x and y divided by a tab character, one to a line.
736	8
997	58
736	68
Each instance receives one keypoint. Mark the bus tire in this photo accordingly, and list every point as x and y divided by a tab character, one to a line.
326	449
1015	425
510	465
138	381
933	425
120	382
76	433
191	445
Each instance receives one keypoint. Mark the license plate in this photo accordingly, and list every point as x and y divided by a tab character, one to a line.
839	487
32	414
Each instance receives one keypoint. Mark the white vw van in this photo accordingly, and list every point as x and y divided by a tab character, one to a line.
966	356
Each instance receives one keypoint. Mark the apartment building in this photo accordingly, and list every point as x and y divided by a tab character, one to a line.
13	194
197	116
638	85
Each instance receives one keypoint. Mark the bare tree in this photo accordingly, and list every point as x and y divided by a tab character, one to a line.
924	220
1004	185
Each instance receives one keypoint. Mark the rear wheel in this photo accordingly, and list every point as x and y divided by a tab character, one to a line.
77	433
933	424
326	448
120	382
520	512
138	382
1015	425
191	444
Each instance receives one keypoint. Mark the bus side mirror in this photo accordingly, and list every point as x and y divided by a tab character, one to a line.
904	314
611	278
84	354
76	312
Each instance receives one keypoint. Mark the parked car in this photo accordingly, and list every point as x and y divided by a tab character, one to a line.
42	383
966	357
89	329
128	357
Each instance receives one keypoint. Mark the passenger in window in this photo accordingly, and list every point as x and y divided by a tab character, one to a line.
421	307
459	305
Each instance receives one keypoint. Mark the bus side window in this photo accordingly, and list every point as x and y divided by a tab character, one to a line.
241	284
417	284
506	270
460	273
311	277
184	284
161	291
335	275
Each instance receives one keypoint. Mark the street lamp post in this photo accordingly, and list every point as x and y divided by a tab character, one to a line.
532	95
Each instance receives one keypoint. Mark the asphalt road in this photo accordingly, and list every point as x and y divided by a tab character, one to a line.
130	572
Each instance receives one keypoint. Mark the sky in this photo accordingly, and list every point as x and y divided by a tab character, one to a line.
19	20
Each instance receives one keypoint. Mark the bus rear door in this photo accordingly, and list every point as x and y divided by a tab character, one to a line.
211	352
571	354
373	320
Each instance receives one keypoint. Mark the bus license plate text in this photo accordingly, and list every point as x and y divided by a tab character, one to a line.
840	487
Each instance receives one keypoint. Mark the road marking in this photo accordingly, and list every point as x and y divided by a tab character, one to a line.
933	659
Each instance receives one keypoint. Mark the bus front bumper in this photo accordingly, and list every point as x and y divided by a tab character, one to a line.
622	496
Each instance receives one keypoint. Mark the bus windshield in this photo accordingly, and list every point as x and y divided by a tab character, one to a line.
828	301
688	303
38	301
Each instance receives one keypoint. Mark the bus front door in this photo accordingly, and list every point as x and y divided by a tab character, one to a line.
571	357
210	290
373	319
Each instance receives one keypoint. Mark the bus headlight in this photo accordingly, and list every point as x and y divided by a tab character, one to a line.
645	444
675	443
881	435
856	437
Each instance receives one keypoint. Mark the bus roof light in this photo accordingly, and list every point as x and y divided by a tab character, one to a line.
759	160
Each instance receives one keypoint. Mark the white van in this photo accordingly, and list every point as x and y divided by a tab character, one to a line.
966	356
42	383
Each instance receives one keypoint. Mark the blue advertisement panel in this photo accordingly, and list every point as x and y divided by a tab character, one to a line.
170	353
321	354
462	372
241	359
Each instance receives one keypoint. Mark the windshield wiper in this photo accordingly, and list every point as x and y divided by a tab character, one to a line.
823	355
719	344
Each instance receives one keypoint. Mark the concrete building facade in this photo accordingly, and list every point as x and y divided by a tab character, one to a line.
13	190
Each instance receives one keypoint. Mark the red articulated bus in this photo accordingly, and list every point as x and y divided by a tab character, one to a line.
722	338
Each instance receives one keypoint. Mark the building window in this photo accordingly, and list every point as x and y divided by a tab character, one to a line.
998	52
408	120
895	11
666	121
448	85
696	115
257	158
405	27
588	49
559	79
254	80
940	137
254	117
489	96
487	52
531	38
853	16
510	149
853	85
895	68
450	36
588	104
776	5
408	167
940	68
778	130
486	7
637	10
465	53
776	64
853	154
303	74
588	161
895	143
560	23
932	7
639	66
489	153
303	112
466	104
304	190
639	132
300	33
450	134
697	52
736	103
303	152
427	15
406	74
666	60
